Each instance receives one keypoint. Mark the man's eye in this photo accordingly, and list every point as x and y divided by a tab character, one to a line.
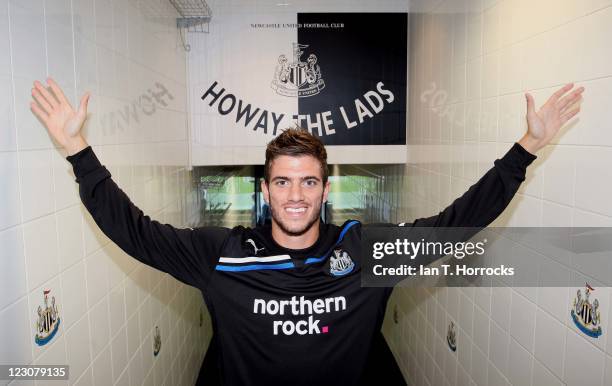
281	182
311	182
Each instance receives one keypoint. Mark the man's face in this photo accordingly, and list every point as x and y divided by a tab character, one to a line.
295	193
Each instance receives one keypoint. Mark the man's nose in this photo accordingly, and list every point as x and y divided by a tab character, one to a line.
296	192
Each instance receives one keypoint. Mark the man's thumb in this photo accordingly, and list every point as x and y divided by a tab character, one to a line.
530	104
83	105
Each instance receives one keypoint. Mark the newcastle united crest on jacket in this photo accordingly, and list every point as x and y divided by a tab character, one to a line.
298	78
340	263
585	314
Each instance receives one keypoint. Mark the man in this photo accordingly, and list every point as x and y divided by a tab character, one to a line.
285	300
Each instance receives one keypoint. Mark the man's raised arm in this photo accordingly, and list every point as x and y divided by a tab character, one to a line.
488	198
188	255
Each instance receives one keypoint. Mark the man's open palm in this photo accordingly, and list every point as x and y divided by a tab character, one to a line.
63	123
546	122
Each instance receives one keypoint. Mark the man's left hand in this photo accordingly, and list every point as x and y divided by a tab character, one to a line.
542	125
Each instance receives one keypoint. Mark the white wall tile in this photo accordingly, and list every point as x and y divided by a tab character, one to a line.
542	376
12	266
510	69
492	28
481	331
520	365
40	240
498	347
15	334
102	368
84	19
584	364
591	193
597	30
74	294
8	134
555	215
66	190
119	353
117	308
5	61
608	371
96	267
37	194
70	236
60	51
78	347
99	322
559	174
549	347
10	211
593	122
522	321
28	50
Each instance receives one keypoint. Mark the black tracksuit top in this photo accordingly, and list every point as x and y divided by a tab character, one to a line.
281	316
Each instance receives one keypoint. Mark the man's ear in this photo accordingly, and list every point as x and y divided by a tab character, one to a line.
265	191
326	191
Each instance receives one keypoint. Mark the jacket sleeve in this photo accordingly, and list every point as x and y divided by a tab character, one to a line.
485	200
189	255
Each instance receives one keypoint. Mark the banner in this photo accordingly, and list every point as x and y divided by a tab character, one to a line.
342	76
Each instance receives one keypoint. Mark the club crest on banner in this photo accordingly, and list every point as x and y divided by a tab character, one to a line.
340	263
298	78
585	313
48	321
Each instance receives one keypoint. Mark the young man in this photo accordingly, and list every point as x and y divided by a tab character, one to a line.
285	300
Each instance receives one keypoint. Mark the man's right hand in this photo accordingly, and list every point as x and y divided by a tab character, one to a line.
63	123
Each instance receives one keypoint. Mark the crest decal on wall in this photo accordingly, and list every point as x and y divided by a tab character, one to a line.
48	320
585	313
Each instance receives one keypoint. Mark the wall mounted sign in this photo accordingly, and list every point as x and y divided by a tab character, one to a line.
342	76
48	320
585	313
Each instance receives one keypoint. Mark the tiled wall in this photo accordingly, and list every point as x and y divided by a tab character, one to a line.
470	63
128	55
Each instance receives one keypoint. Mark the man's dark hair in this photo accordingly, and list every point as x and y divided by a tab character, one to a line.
296	142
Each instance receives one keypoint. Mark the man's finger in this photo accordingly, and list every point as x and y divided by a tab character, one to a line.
58	91
40	113
561	91
569	115
570	99
41	100
572	103
45	93
83	104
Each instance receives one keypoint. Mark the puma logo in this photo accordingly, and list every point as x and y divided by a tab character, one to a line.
255	249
